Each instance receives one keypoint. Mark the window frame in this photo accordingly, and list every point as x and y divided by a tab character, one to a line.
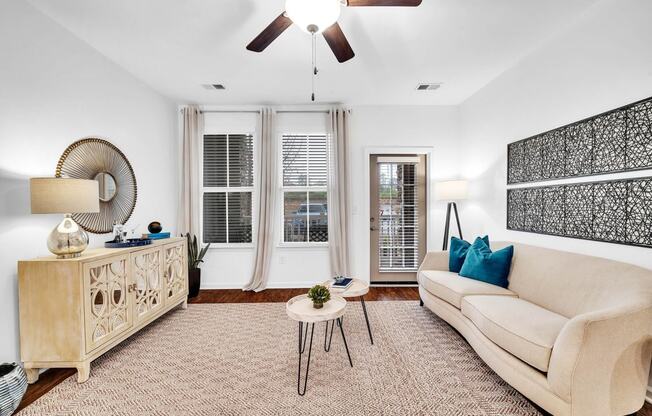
226	189
283	189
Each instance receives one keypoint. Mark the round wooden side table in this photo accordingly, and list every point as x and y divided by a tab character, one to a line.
358	289
300	309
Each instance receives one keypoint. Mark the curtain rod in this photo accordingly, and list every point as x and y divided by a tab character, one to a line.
258	112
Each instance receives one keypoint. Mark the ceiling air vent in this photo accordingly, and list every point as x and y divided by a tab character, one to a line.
428	87
214	86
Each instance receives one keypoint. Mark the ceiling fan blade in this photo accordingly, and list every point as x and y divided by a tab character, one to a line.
403	3
338	43
270	33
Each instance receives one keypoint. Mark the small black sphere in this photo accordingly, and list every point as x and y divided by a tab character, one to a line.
154	227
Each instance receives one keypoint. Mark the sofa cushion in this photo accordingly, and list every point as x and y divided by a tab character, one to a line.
522	328
451	287
457	253
487	266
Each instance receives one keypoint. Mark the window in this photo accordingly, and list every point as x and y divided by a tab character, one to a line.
304	187
398	241
228	184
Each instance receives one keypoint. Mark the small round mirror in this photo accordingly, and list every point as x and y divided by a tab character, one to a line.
107	186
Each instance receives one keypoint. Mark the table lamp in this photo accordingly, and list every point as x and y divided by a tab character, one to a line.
451	191
65	196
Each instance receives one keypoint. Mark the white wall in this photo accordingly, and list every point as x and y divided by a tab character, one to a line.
290	267
601	62
371	127
57	89
378	128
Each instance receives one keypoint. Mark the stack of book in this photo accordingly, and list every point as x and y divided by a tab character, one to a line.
156	236
341	283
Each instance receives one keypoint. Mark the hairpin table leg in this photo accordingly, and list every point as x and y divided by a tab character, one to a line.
339	321
366	318
327	339
301	351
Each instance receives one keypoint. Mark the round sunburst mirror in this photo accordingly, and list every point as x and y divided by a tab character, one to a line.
98	159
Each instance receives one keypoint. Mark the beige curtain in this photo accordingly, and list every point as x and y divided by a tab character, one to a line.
193	128
338	192
266	200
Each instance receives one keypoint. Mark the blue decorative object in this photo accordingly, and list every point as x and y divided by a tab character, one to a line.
132	242
157	236
457	253
13	384
486	266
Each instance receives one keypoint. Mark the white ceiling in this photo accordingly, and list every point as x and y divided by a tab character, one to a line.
177	45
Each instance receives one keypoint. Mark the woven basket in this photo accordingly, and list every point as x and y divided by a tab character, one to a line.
13	384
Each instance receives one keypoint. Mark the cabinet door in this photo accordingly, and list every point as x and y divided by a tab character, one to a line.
176	271
147	272
106	307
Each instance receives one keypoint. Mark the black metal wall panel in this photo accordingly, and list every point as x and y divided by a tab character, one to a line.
616	141
617	211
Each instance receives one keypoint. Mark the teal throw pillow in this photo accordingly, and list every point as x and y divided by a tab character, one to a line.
457	253
487	266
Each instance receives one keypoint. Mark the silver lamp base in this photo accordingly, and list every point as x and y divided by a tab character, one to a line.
68	239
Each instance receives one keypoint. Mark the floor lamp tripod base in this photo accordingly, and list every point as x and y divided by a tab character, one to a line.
452	205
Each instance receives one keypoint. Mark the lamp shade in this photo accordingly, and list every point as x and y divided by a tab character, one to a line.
64	195
451	190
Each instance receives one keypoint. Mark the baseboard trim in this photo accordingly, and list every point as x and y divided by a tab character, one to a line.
275	285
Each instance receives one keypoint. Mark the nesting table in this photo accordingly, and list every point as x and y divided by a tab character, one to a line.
300	309
358	288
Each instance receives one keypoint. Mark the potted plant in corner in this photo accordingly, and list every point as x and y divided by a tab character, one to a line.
195	258
319	295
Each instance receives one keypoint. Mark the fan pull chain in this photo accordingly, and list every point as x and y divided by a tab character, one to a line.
314	64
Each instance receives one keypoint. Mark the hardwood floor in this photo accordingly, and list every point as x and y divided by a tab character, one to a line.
52	377
283	295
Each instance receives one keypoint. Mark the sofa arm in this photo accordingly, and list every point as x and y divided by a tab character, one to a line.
435	260
601	360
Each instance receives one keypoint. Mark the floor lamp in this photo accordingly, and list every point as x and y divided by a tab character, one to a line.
451	191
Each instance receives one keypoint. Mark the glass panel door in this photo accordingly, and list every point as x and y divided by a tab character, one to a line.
397	222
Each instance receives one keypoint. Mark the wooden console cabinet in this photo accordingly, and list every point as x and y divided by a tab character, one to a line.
74	310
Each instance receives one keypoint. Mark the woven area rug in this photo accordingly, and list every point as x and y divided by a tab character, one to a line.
241	359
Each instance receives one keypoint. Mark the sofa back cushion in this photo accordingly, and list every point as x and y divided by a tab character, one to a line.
571	284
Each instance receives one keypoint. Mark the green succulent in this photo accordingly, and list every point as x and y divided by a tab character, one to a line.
319	294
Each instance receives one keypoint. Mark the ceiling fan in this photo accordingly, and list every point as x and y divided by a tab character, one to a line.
319	16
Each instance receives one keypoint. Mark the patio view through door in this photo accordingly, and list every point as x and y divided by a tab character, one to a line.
398	217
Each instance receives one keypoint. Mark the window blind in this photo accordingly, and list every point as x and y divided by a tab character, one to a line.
228	180
398	242
305	160
305	179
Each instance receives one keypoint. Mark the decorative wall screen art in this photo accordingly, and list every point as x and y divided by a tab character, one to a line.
616	141
617	211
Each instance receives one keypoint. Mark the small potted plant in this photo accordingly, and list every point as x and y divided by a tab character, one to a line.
319	295
195	258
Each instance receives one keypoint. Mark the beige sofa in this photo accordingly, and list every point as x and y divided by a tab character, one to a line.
573	333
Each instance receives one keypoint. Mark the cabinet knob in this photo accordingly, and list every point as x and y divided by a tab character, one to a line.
132	288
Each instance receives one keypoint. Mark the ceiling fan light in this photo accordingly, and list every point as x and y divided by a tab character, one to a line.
320	13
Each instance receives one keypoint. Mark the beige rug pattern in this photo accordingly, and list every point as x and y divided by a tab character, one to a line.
241	359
